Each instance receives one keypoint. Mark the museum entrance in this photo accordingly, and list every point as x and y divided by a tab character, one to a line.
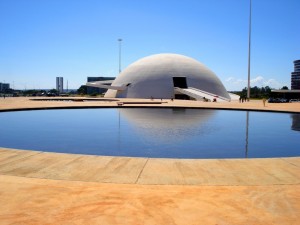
180	82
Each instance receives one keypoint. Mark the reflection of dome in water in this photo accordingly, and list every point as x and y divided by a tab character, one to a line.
157	75
167	124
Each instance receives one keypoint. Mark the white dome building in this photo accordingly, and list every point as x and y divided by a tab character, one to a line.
166	76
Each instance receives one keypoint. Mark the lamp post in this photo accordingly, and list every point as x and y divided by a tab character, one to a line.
120	45
249	52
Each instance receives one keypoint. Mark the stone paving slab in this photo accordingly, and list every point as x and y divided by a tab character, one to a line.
73	167
9	155
293	160
220	172
32	164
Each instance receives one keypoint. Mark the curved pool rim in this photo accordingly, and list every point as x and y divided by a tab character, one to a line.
140	105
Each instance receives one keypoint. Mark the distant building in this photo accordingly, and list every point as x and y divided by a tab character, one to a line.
295	78
4	87
294	93
296	121
60	84
95	90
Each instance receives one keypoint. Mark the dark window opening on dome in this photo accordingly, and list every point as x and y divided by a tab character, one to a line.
180	82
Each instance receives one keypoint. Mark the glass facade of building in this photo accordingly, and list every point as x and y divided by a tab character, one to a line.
60	84
295	78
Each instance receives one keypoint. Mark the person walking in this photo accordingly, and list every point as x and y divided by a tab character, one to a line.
264	102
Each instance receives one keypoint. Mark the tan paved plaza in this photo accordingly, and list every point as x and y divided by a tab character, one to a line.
52	188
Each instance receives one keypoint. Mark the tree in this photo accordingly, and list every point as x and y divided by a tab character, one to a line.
82	90
284	88
244	93
256	92
268	89
53	91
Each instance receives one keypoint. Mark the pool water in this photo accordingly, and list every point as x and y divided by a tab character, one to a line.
153	132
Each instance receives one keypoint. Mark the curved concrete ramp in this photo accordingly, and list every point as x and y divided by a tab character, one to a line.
199	94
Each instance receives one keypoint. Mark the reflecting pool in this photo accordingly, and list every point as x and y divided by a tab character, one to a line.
153	132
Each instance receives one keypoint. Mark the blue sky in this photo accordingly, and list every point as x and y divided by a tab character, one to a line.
43	39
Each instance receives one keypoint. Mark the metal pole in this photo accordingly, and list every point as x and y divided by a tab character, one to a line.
249	52
120	42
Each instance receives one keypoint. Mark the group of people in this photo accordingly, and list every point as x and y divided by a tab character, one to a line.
243	99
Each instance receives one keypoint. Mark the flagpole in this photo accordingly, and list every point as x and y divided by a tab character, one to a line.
120	46
249	51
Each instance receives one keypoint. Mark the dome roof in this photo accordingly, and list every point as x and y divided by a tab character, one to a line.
155	76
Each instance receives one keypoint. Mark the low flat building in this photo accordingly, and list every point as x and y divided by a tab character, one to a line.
288	94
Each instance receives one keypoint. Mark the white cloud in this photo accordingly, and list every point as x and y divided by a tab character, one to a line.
257	80
273	83
230	79
233	83
240	81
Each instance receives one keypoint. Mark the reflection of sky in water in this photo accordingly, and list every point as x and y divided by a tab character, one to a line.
171	133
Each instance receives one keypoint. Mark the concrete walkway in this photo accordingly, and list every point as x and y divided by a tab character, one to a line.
126	170
53	188
27	103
